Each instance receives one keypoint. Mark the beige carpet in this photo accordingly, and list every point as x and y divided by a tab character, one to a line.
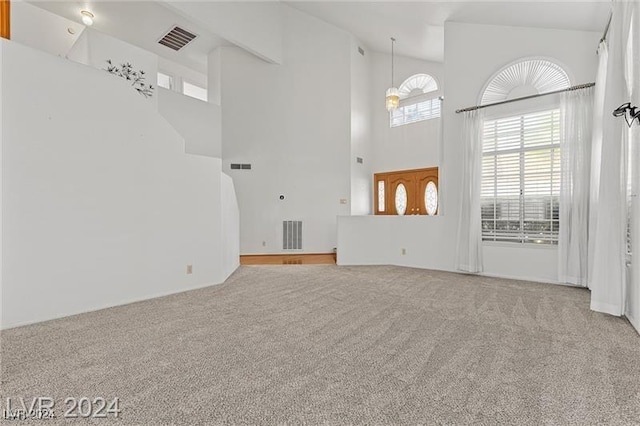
340	345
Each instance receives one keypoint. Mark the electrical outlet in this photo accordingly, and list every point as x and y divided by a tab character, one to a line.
404	251
189	269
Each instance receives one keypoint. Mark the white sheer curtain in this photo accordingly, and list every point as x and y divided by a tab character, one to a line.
609	285
596	149
575	165
469	245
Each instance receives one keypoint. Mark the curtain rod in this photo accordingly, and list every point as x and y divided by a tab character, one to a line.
606	29
578	87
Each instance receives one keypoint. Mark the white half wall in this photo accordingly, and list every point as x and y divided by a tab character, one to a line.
93	48
197	121
100	204
425	242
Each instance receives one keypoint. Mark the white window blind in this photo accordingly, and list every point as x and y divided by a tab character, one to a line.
411	112
165	80
194	91
521	178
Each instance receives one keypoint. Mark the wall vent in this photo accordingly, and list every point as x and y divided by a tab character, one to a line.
292	235
237	166
176	38
361	50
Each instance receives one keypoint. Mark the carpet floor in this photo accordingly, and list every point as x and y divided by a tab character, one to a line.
338	345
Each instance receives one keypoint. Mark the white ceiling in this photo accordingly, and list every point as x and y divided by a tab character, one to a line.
419	26
142	23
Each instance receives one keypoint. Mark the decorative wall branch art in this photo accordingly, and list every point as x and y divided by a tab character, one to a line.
630	113
137	78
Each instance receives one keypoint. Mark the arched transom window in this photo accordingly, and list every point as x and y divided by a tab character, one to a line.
417	85
416	101
524	78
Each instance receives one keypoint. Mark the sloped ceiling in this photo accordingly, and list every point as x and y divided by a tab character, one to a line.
142	23
419	26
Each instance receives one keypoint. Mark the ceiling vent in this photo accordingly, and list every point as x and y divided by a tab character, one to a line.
177	38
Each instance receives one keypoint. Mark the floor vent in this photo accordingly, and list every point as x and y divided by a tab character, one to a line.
292	235
176	38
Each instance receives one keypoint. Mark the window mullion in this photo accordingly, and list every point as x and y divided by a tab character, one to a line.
522	177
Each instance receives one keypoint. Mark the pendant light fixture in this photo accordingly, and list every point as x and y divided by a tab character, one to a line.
393	95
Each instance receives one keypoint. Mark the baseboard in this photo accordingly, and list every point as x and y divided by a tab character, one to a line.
285	254
605	308
634	322
287	258
532	279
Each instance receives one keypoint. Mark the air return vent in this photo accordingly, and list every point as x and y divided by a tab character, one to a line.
292	235
236	166
177	38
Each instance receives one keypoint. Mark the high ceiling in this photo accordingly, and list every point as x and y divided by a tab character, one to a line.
417	26
141	23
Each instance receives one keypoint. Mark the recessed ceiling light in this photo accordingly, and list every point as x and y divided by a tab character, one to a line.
71	31
87	17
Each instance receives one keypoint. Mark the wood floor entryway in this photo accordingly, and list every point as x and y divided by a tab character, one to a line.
288	259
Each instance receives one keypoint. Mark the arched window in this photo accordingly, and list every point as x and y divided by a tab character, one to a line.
417	85
416	101
521	156
524	78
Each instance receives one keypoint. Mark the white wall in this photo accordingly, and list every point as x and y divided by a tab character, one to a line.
485	49
100	205
213	76
361	144
198	122
254	26
230	227
411	146
94	48
181	73
1	182
41	29
292	123
473	53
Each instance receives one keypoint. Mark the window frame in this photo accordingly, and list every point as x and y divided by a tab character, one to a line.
526	237
429	101
432	111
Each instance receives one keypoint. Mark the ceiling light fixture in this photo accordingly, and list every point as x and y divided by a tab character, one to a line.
393	95
87	17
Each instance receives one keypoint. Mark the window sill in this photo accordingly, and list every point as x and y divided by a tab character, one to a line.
520	245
